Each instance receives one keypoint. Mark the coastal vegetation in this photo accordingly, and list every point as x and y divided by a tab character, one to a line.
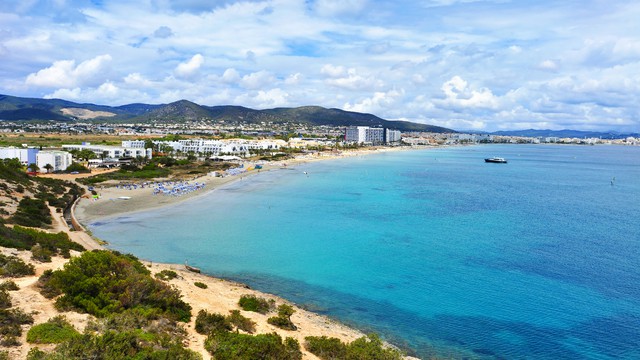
54	331
166	275
256	304
42	244
200	284
369	347
283	320
102	283
127	335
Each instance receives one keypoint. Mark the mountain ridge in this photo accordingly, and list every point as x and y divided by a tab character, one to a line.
14	108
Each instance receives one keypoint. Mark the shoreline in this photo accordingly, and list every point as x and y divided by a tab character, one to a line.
87	210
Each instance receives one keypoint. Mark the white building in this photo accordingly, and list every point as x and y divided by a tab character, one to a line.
26	156
369	135
112	152
217	147
60	160
357	134
133	144
392	136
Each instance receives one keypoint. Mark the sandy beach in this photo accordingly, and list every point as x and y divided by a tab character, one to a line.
221	296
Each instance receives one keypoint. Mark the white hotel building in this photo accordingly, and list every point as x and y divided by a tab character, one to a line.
217	147
60	160
114	152
369	135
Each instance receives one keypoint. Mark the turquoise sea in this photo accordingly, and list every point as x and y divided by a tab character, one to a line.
435	250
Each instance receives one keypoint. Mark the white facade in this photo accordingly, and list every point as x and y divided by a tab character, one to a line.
356	134
133	144
112	152
392	136
60	160
369	135
26	156
217	147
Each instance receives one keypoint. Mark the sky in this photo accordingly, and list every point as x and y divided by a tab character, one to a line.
481	65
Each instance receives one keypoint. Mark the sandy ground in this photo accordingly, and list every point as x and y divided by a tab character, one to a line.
221	296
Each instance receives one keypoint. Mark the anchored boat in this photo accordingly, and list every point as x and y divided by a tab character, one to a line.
497	160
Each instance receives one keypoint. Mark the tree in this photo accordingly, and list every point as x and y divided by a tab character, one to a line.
33	167
49	167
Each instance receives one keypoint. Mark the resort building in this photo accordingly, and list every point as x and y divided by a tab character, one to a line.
218	147
369	135
59	160
26	156
113	152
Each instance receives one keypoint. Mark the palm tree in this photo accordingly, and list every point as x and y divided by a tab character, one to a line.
48	167
33	167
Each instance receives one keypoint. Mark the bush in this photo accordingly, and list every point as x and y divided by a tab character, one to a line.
41	254
240	322
228	345
32	213
364	348
283	320
5	299
201	285
103	282
166	275
326	348
10	324
207	323
54	331
256	304
9	286
12	266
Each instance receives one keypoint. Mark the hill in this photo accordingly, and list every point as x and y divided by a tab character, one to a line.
566	133
18	109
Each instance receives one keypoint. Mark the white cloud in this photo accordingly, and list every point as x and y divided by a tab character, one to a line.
333	71
294	79
376	103
257	80
191	67
549	65
230	75
459	94
264	99
65	74
339	7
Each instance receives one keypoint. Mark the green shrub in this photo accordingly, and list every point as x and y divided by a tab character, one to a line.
54	331
12	266
256	304
236	346
9	286
243	323
201	285
364	348
10	324
283	320
41	254
5	299
166	275
103	282
326	348
32	212
207	323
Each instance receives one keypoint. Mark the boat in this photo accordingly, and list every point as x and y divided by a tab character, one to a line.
191	268
497	160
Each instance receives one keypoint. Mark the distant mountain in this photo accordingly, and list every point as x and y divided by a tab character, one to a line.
17	108
564	134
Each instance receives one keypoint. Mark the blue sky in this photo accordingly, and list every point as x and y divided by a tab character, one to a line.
463	64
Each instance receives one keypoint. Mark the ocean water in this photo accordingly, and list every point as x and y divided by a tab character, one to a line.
435	250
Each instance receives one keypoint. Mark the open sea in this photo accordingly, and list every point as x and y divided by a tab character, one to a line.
435	250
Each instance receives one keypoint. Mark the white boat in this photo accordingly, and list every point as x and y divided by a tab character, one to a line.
124	197
497	160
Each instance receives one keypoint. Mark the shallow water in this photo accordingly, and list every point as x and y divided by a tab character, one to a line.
434	249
